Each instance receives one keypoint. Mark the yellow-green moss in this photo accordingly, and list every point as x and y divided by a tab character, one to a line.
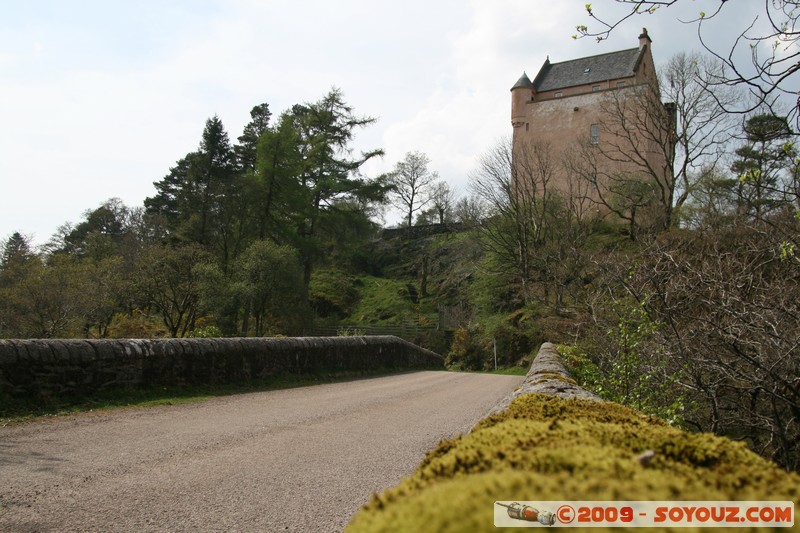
546	448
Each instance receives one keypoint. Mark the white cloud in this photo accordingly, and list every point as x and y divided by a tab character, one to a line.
99	100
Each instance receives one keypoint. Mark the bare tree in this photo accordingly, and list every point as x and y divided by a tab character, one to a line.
730	314
538	236
513	182
772	49
443	201
412	183
628	195
701	127
469	210
649	152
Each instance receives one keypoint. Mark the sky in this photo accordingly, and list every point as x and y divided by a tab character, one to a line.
99	99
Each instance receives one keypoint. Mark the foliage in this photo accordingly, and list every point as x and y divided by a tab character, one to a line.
205	332
270	284
634	372
350	332
513	336
583	369
469	350
761	165
729	308
328	174
46	300
333	293
135	325
169	285
536	235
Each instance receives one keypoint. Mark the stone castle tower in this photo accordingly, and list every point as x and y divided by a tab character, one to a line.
569	107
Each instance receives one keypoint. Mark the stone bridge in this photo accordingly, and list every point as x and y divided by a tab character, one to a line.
67	366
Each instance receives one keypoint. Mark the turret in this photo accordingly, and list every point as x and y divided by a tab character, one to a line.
521	94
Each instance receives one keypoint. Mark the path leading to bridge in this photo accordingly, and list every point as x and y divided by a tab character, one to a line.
300	459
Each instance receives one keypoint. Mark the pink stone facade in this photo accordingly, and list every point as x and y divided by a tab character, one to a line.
566	107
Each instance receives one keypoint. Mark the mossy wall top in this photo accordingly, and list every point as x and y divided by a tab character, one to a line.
36	367
552	442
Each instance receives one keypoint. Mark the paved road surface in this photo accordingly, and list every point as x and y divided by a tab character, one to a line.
294	460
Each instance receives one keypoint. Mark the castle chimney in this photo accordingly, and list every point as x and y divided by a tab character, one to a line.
644	39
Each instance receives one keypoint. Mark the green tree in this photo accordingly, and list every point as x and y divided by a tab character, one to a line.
203	198
712	203
111	293
276	191
51	299
761	165
17	252
16	263
169	283
247	149
191	196
210	178
329	172
271	283
102	232
169	203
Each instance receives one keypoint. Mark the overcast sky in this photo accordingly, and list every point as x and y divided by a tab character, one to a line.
99	98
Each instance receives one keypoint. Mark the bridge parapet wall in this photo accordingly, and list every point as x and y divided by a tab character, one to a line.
66	366
552	441
547	375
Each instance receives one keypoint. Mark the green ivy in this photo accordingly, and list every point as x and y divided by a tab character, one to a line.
636	373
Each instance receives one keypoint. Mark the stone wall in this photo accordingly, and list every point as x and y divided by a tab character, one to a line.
48	367
547	375
425	230
552	441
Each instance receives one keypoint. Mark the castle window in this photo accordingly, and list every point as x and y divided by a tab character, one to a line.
595	88
527	126
558	95
594	133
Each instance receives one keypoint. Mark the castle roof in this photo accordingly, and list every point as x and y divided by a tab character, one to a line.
524	82
603	67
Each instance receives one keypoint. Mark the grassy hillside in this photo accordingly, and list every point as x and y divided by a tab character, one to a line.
436	290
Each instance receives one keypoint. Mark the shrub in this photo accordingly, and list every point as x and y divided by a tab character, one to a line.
469	350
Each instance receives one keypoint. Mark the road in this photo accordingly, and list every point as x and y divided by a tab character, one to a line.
301	459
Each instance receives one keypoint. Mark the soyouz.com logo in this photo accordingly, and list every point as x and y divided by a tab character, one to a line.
643	514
